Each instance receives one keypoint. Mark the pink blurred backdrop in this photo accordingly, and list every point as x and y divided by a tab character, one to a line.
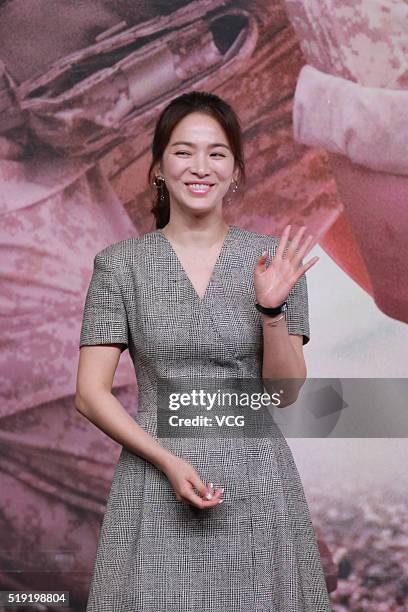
320	89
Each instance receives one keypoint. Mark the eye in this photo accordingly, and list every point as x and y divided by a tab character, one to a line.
187	153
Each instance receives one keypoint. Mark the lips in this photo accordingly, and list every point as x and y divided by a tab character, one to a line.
203	190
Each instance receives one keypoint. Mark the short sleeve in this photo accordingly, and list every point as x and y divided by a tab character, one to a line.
104	317
297	313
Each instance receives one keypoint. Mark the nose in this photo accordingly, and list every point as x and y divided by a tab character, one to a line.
200	165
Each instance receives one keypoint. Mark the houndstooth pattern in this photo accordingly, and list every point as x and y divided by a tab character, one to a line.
257	551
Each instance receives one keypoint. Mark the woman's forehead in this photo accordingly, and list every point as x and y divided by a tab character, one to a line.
198	129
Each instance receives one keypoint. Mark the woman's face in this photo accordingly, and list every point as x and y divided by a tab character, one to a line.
198	152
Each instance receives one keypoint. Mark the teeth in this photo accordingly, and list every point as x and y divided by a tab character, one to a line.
197	186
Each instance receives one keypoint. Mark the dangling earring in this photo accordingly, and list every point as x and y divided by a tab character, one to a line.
234	189
159	182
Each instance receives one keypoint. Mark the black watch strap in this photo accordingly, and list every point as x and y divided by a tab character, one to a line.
272	311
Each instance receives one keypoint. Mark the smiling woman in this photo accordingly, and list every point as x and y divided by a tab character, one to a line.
73	107
200	173
214	157
182	298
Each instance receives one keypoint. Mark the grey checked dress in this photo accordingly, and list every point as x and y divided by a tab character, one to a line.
255	552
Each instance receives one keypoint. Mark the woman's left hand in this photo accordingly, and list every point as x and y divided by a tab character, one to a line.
273	284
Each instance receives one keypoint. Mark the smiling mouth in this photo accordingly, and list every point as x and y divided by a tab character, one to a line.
195	189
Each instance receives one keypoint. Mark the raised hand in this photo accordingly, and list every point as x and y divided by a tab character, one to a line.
273	283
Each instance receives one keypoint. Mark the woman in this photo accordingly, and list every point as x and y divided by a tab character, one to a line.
182	299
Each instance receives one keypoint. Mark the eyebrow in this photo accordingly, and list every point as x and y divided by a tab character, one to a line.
190	144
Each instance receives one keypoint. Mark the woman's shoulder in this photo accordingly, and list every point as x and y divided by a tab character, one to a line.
135	248
252	237
126	251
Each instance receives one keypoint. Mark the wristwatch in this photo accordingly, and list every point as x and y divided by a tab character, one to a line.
272	311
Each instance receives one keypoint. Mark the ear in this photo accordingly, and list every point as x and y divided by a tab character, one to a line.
156	170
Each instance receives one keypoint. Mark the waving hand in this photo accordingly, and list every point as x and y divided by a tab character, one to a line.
273	283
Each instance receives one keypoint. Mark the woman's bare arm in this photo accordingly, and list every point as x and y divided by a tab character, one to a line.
94	399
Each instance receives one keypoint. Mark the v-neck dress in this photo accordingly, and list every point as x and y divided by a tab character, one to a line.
257	550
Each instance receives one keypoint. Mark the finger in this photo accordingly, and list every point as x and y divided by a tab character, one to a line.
199	502
209	495
202	501
209	492
202	489
282	242
261	262
306	267
218	492
311	262
215	492
309	243
293	246
190	494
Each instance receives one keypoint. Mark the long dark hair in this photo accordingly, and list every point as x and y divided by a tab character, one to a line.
175	111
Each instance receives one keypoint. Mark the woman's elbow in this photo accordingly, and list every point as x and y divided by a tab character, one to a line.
79	402
291	392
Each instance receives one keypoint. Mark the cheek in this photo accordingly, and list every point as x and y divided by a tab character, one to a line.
176	168
226	169
171	163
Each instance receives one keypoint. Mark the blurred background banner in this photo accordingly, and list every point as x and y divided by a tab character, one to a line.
321	89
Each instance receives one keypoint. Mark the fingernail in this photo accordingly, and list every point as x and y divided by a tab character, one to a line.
220	501
222	490
208	496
